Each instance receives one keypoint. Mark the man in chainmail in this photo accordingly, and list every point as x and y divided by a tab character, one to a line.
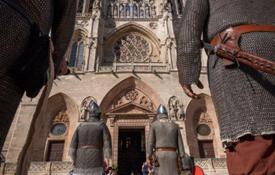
244	98
91	144
55	15
165	138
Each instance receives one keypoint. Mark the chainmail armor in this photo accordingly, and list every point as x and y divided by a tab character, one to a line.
244	98
14	37
166	134
91	133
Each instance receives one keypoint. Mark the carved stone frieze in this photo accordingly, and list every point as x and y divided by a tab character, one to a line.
135	96
131	9
145	101
131	95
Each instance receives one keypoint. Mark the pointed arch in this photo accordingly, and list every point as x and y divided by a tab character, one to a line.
58	104
130	83
131	27
131	43
75	53
202	111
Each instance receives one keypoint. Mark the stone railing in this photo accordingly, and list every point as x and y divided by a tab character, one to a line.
210	166
50	168
214	166
134	68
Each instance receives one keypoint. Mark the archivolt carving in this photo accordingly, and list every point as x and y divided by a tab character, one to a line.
131	95
176	109
136	96
145	101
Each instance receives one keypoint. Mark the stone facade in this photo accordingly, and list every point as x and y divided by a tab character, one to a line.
123	55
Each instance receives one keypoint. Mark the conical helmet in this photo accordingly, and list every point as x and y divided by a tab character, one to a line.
162	112
94	110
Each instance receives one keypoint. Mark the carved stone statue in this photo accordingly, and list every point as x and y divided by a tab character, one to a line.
91	144
166	140
176	109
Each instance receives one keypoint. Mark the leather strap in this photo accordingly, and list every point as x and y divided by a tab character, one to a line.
231	36
167	149
89	147
229	40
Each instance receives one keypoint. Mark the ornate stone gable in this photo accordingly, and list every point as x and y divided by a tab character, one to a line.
133	101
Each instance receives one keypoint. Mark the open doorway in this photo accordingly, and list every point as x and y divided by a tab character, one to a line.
131	150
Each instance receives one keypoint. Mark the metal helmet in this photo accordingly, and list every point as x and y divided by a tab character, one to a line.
93	110
162	112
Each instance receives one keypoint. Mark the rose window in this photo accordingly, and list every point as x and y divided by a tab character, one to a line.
132	48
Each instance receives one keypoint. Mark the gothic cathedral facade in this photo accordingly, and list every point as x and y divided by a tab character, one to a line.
123	55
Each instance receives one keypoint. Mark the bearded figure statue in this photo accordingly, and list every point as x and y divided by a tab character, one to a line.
166	140
91	147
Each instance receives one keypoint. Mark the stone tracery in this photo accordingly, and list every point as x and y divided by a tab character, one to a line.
132	48
131	9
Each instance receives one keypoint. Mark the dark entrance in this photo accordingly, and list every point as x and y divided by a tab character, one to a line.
131	151
206	149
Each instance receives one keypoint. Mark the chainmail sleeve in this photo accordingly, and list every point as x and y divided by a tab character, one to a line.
63	27
73	146
151	142
189	45
107	143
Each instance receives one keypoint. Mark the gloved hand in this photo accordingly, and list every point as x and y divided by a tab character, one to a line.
187	163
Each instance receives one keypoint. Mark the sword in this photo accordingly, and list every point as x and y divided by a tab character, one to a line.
232	55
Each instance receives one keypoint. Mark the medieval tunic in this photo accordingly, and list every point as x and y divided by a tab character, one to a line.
91	143
166	134
244	98
14	37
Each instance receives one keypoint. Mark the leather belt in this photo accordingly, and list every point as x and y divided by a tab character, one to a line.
89	147
232	35
226	46
167	149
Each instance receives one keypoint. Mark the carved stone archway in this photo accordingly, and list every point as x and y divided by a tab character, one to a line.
131	104
198	112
